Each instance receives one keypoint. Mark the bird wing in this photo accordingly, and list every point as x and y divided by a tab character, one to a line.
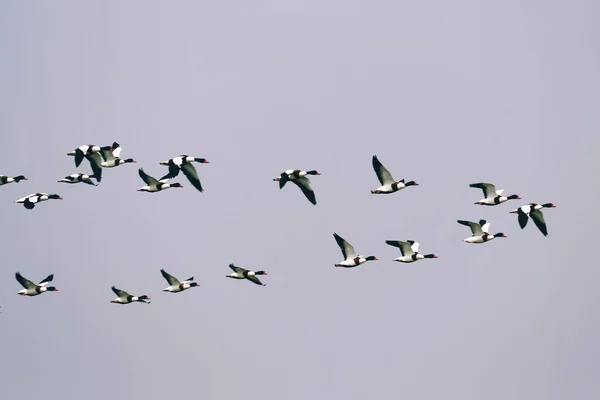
485	226
237	269
489	190
254	279
538	219
147	178
475	228
304	184
173	171
106	153
46	280
95	160
26	283
78	156
384	176
523	218
120	293
404	247
347	248
116	149
190	172
170	278
414	245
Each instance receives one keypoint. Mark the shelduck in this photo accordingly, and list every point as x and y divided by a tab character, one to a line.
492	197
77	178
153	185
184	163
409	250
388	183
31	289
7	179
480	231
351	259
176	285
92	153
126	298
31	200
242	273
300	178
111	156
534	211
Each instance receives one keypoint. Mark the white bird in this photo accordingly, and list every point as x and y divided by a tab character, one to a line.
31	200
480	231
351	259
184	163
492	196
31	289
388	183
176	285
126	298
111	156
300	178
7	179
92	153
76	178
153	185
242	273
409	250
534	211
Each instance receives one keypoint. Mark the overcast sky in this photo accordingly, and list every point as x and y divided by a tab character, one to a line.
445	93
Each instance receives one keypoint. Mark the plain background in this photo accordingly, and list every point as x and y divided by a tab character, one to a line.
445	93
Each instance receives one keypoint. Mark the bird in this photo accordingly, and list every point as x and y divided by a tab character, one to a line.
388	183
184	163
176	285
409	250
534	211
152	185
300	178
480	231
111	154
31	289
351	259
7	179
126	298
76	178
492	197
31	200
242	273
92	153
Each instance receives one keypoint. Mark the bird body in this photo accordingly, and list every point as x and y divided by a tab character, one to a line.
300	179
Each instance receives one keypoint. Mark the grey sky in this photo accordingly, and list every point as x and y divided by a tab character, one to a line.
445	93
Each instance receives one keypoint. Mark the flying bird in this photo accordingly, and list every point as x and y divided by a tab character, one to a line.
152	185
111	156
242	273
409	250
300	178
176	285
492	197
92	153
184	163
126	298
31	289
480	231
76	178
351	259
534	211
388	183
31	200
7	179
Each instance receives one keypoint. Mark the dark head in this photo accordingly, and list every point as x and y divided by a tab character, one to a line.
129	160
201	160
411	183
55	197
51	289
313	172
19	178
500	234
430	256
548	205
143	297
514	197
372	258
176	185
193	284
260	273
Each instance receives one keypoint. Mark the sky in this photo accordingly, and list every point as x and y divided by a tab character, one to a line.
444	93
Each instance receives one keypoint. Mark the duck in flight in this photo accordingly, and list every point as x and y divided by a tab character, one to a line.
153	185
300	178
31	200
492	197
76	178
351	259
388	183
534	211
8	179
31	289
242	273
92	153
184	163
111	156
479	231
409	250
176	285
126	298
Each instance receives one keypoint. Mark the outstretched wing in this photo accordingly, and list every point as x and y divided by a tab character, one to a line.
485	226
304	184
404	247
46	280
170	278
96	163
489	190
147	178
255	280
538	219
106	153
347	248
190	172
384	176
475	228
523	218
120	293
236	269
26	283
414	245
173	171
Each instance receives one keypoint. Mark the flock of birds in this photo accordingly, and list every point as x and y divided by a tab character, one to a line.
101	157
